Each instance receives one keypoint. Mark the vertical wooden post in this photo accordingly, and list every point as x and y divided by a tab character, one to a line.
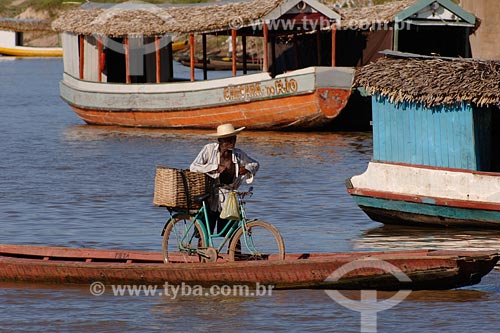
127	60
191	55
334	44
273	55
82	54
467	53
265	60
296	63
318	47
158	59
100	64
233	55
204	43
395	43
244	46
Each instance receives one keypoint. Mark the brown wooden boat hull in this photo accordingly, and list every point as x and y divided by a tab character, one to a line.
307	111
426	269
309	98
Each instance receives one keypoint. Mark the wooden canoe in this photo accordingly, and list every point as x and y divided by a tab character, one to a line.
426	269
26	51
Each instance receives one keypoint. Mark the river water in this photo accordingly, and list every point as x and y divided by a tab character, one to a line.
64	183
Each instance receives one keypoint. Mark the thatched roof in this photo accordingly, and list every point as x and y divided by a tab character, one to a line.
363	18
13	24
159	20
156	20
432	81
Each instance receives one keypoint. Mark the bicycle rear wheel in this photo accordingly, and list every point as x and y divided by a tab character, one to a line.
181	240
259	241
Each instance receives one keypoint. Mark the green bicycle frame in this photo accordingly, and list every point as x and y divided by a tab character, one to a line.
229	229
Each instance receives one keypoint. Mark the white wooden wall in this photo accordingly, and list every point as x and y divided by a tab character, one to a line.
70	54
91	59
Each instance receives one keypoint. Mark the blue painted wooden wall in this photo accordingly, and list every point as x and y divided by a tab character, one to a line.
444	136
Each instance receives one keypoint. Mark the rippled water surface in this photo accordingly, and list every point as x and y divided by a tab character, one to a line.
65	183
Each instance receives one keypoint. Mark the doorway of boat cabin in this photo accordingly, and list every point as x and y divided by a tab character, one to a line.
296	51
444	41
115	62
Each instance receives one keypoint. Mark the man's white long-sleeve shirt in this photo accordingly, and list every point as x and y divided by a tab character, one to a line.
208	161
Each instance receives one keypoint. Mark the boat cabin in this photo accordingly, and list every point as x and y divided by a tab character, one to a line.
437	112
104	43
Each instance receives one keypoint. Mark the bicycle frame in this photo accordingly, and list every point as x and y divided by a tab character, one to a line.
202	217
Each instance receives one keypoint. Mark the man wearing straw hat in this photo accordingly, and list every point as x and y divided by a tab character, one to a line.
227	165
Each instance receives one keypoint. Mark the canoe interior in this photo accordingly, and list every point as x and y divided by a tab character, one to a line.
47	253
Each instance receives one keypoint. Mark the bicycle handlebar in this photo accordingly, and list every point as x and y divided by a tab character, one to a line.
243	194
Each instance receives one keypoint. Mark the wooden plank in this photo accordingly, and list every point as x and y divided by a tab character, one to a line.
100	59
127	60
191	56
82	55
334	44
233	55
265	41
157	59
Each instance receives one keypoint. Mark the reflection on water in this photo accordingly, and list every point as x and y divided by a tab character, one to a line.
448	296
283	140
68	184
403	237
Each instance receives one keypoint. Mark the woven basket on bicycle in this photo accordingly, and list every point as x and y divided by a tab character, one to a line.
176	188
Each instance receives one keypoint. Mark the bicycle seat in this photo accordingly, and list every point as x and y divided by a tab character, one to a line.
201	197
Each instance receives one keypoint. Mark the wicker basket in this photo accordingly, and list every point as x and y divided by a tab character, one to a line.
175	188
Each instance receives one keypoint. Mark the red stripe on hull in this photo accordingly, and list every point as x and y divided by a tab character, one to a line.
295	112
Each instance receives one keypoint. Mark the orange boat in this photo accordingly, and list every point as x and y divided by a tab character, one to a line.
303	99
124	80
424	269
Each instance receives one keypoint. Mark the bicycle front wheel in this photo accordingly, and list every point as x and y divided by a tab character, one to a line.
257	240
181	240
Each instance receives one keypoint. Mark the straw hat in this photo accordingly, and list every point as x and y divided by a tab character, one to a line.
226	130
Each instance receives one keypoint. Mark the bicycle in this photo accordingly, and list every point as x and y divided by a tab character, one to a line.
187	236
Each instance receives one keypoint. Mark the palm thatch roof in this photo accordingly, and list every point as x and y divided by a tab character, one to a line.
362	18
13	24
155	20
433	81
159	20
